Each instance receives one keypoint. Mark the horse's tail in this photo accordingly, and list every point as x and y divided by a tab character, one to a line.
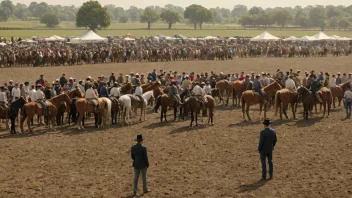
157	104
277	102
108	110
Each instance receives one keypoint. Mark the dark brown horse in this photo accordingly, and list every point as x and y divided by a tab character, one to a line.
126	88
193	105
307	99
224	86
284	97
238	87
338	92
250	97
114	109
30	109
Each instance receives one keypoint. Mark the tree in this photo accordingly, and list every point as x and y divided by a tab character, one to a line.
119	12
333	22
93	16
317	16
333	12
149	16
134	13
123	19
50	20
6	10
303	22
198	14
344	23
21	11
283	18
255	10
239	10
247	20
170	17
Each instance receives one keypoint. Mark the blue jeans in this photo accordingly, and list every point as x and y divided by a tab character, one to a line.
136	177
263	157
348	105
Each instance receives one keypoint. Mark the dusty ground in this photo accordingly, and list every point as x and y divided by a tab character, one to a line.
311	159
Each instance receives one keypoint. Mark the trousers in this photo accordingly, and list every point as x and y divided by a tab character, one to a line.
137	172
263	157
348	105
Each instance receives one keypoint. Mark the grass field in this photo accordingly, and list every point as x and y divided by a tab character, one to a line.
138	30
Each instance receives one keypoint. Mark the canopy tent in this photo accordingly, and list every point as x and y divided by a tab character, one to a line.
89	37
210	38
170	38
28	41
50	39
307	38
232	38
2	44
322	36
339	38
180	36
265	36
59	38
129	39
291	38
191	39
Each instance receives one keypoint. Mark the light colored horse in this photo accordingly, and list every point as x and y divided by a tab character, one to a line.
136	103
125	108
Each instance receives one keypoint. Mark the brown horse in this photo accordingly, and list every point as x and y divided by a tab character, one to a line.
326	96
307	99
249	97
83	106
223	86
4	115
216	93
150	86
30	109
284	97
114	109
64	107
237	88
126	88
338	92
193	104
210	105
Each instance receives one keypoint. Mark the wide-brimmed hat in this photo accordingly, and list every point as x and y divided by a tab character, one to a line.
203	83
257	75
39	85
139	138
267	121
2	87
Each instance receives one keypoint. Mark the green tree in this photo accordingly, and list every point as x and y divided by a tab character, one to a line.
21	11
333	22
119	12
255	10
123	19
93	16
317	16
344	23
198	14
333	11
50	20
247	20
149	16
6	10
239	10
170	17
283	18
134	13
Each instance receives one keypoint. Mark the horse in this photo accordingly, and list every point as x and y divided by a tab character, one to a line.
126	89
64	107
125	108
193	104
237	87
338	92
14	107
32	108
307	99
249	97
137	103
4	115
284	97
223	85
114	109
83	106
216	93
326	96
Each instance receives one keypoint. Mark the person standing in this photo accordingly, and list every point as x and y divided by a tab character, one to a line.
344	78
266	146
139	156
32	94
332	81
62	80
16	92
338	79
348	101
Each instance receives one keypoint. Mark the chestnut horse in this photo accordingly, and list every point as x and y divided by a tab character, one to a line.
223	86
307	99
284	97
194	105
237	88
126	89
249	97
338	92
83	107
30	109
326	96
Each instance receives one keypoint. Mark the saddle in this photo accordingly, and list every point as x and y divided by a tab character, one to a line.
3	107
256	93
140	98
94	102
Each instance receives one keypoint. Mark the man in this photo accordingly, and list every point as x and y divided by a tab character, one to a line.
290	84
63	80
26	90
298	78
153	74
40	80
104	91
320	78
92	97
186	84
139	91
267	142
257	87
88	82
349	79
207	88
139	156
3	98
173	93
338	79
348	101
39	96
305	80
137	79
112	79
32	94
344	78
266	80
120	79
11	86
199	93
133	79
253	76
332	81
315	87
115	91
81	87
16	92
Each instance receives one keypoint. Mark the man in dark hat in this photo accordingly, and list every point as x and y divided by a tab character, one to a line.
63	80
257	87
139	156
174	95
266	146
40	80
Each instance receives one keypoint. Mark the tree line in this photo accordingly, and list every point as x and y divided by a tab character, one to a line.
304	17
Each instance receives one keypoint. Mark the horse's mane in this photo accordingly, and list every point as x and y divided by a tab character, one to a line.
54	99
269	86
344	85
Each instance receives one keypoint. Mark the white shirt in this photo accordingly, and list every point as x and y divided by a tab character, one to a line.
333	82
348	94
115	92
26	90
3	97
16	92
138	91
90	94
198	91
32	95
39	95
207	89
290	83
81	88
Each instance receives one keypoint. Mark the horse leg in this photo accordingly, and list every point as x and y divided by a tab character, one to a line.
247	111
293	110
324	104
165	110
192	118
161	114
175	112
28	123
140	119
79	123
329	107
285	108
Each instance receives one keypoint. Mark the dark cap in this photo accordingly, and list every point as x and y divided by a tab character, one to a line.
139	138
267	121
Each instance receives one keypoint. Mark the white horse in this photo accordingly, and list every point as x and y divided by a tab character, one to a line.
146	97
125	108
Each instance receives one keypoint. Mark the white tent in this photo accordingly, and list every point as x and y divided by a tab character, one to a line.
291	38
168	38
232	38
89	37
209	38
339	38
307	38
265	36
28	41
322	36
58	38
129	39
2	44
191	39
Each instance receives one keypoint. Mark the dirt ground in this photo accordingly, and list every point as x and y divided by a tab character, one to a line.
312	158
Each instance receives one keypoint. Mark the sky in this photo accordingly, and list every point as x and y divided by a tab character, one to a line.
208	4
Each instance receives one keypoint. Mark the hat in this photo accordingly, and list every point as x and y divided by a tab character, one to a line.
350	73
127	75
252	72
174	81
298	71
247	75
71	78
139	138
116	83
63	74
38	85
203	83
208	82
112	73
338	73
26	82
2	87
137	74
186	76
267	121
321	72
257	75
11	81
41	75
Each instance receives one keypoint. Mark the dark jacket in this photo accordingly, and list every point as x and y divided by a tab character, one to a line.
267	141
257	85
103	92
154	76
315	86
63	81
172	91
139	156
